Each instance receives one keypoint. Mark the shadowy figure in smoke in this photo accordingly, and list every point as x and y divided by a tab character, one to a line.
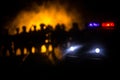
36	38
6	43
16	40
50	37
21	40
60	35
42	35
32	39
49	32
74	33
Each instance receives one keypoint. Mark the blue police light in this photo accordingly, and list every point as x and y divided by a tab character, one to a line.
93	24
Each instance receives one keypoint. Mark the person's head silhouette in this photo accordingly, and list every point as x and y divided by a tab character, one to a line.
17	30
24	28
42	26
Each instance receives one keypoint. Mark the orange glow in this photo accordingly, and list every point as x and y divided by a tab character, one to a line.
25	51
49	14
43	49
46	41
7	53
58	53
33	50
51	59
108	25
18	52
50	48
12	46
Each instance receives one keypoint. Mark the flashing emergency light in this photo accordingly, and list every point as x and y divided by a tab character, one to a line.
93	24
108	25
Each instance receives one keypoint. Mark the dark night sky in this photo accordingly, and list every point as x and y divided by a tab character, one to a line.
96	8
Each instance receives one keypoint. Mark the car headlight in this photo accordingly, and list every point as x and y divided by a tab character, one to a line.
97	50
72	50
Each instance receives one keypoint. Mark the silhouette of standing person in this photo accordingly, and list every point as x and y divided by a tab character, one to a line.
74	32
7	42
23	39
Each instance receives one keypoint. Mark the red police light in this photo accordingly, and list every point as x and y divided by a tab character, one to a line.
108	25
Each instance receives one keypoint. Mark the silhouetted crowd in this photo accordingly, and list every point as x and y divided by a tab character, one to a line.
46	35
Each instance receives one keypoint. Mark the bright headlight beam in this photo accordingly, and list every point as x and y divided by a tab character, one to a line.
72	49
